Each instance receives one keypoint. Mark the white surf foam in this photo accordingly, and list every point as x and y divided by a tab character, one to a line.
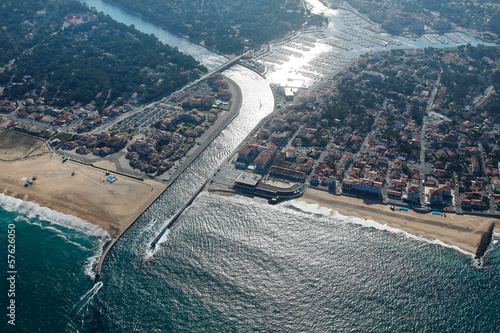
57	232
85	299
327	212
161	242
32	210
92	261
297	206
164	237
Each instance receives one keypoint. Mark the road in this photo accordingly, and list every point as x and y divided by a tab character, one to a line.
109	124
423	142
361	148
122	117
489	188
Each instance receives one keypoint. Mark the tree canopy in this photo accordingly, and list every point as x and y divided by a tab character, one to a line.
100	60
225	26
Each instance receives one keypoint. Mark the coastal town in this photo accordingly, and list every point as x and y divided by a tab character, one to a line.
389	124
162	134
319	165
138	137
413	19
360	115
153	140
404	126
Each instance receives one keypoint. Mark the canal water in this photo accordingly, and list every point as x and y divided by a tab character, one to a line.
235	264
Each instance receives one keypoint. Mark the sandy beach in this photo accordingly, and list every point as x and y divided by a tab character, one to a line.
463	231
86	194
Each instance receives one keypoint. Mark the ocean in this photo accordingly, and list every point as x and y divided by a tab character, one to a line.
236	264
233	264
53	261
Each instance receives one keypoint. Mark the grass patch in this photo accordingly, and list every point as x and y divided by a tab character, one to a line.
14	146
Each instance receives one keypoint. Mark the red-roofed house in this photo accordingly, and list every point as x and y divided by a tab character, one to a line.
413	193
394	194
446	190
496	184
263	161
436	196
431	181
367	186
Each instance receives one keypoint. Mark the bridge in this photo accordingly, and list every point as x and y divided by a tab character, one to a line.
141	109
219	69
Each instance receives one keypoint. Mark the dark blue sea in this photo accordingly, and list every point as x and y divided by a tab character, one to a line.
235	264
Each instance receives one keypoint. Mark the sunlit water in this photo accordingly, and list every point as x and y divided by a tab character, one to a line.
290	73
234	264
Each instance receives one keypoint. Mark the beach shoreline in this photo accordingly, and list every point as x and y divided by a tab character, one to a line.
79	190
462	231
12	182
82	189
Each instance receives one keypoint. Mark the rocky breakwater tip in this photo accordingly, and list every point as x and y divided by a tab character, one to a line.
485	242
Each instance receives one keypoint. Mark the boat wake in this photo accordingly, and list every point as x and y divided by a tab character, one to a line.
151	250
76	309
150	224
86	298
79	306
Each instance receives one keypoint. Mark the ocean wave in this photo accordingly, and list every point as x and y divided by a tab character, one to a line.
57	232
33	210
92	261
327	212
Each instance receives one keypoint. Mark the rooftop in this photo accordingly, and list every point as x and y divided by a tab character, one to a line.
248	178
